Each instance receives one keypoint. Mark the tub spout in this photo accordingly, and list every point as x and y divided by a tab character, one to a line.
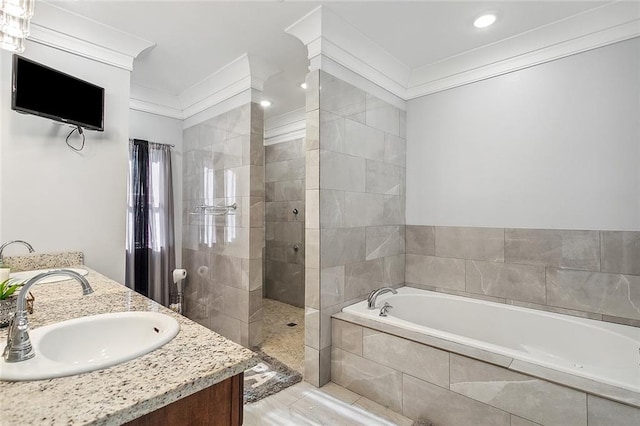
371	299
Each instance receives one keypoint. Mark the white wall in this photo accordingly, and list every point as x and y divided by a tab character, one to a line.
57	199
552	146
156	128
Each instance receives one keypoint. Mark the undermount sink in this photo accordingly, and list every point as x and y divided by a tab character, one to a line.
27	275
90	343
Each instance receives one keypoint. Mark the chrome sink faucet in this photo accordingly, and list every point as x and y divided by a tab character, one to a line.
18	342
2	247
371	299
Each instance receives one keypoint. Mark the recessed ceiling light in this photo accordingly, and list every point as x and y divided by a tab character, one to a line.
484	20
303	85
265	104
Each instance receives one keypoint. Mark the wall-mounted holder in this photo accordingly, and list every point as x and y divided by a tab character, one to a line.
205	209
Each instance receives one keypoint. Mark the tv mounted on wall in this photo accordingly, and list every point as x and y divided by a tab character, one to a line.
40	90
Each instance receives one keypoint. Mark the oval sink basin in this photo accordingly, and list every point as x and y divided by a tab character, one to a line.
27	275
90	343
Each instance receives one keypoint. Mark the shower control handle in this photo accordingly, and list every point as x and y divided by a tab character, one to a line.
296	247
295	211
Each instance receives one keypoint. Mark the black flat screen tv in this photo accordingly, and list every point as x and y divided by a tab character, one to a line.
40	90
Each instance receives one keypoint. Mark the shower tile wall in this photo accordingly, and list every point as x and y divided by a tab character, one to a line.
223	165
592	274
356	158
284	193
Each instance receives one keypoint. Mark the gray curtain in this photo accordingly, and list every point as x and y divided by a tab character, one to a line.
150	257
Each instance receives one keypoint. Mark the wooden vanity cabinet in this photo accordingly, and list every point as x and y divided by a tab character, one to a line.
217	405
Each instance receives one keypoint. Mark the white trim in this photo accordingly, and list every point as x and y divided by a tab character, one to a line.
151	108
595	28
228	104
335	46
287	137
529	59
58	28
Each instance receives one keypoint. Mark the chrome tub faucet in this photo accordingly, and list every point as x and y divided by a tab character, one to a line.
371	299
18	342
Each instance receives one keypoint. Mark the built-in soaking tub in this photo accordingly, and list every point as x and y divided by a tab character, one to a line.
490	360
606	352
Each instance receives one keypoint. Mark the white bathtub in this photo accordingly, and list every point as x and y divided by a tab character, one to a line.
606	352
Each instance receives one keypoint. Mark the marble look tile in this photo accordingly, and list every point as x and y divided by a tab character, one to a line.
421	361
289	190
325	365
343	172
373	409
257	119
251	274
312	92
253	153
312	131
239	120
347	336
557	248
312	288
393	210
312	169
470	243
367	378
275	172
395	150
363	209
363	141
572	312
312	328
623	321
384	178
435	271
384	241
421	240
519	421
226	270
312	248
423	400
620	252
602	412
394	270
312	365
332	286
284	151
519	282
332	132
341	246
340	97
363	277
332	208
382	115
403	124
611	294
291	232
525	396
296	168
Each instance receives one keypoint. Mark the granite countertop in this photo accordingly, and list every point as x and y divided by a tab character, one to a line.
195	359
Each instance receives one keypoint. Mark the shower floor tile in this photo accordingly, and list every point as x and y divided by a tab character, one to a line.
283	333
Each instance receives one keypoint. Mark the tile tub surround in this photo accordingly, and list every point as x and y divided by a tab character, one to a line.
591	274
29	262
223	163
443	383
195	359
355	206
284	192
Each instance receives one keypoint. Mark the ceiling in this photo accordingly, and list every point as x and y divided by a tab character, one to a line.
195	39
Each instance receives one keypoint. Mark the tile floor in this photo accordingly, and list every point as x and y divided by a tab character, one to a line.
305	405
280	341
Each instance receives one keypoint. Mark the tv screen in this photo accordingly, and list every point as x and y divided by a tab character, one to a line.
43	91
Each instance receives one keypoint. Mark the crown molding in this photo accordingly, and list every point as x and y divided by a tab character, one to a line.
245	74
608	24
61	29
328	36
335	46
285	127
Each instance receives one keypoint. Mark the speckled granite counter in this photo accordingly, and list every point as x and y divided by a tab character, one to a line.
194	360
